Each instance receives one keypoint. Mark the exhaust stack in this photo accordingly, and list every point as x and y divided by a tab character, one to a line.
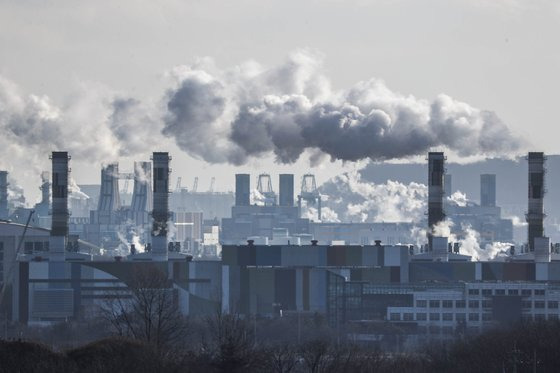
109	198
160	213
535	213
286	197
242	190
142	196
436	174
60	216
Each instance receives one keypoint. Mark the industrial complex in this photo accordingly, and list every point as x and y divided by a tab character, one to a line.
264	258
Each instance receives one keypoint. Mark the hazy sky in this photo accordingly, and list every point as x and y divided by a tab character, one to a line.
500	55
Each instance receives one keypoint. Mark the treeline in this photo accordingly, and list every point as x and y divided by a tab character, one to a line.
227	343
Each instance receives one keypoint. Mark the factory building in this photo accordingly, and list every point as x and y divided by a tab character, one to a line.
56	279
249	220
362	233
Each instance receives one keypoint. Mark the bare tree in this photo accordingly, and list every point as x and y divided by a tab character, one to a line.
231	345
151	313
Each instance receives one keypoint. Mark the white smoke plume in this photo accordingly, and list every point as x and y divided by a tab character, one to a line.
352	199
232	115
327	215
469	242
16	196
75	192
458	198
256	198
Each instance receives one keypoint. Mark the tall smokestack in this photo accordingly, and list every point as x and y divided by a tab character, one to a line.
242	189
4	195
141	195
109	198
488	190
535	213
60	215
160	212
436	172
286	192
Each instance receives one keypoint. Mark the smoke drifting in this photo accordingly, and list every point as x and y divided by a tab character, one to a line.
250	111
352	199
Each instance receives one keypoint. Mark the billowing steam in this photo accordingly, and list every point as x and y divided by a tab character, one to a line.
16	197
352	199
75	191
469	242
250	111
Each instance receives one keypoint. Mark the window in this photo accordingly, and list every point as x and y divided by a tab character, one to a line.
395	316
474	317
539	304
553	316
473	292
434	316
487	292
486	303
552	304
539	317
460	317
421	303
28	247
539	292
526	292
447	303
500	292
408	316
447	316
420	317
526	304
474	304
513	292
460	304
434	304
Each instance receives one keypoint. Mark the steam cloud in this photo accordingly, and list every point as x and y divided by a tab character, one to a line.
249	111
352	199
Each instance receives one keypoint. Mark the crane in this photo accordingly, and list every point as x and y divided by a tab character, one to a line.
178	187
195	184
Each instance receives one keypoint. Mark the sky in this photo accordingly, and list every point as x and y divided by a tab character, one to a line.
501	56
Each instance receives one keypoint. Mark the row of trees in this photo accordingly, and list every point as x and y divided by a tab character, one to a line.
523	348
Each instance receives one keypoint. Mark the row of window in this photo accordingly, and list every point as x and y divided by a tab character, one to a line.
459	317
434	316
473	303
523	292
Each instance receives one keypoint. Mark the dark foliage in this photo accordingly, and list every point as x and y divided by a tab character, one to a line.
227	343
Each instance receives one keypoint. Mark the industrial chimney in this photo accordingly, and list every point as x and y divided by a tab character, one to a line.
535	213
488	190
141	195
60	215
109	198
286	190
436	172
160	213
242	190
4	195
